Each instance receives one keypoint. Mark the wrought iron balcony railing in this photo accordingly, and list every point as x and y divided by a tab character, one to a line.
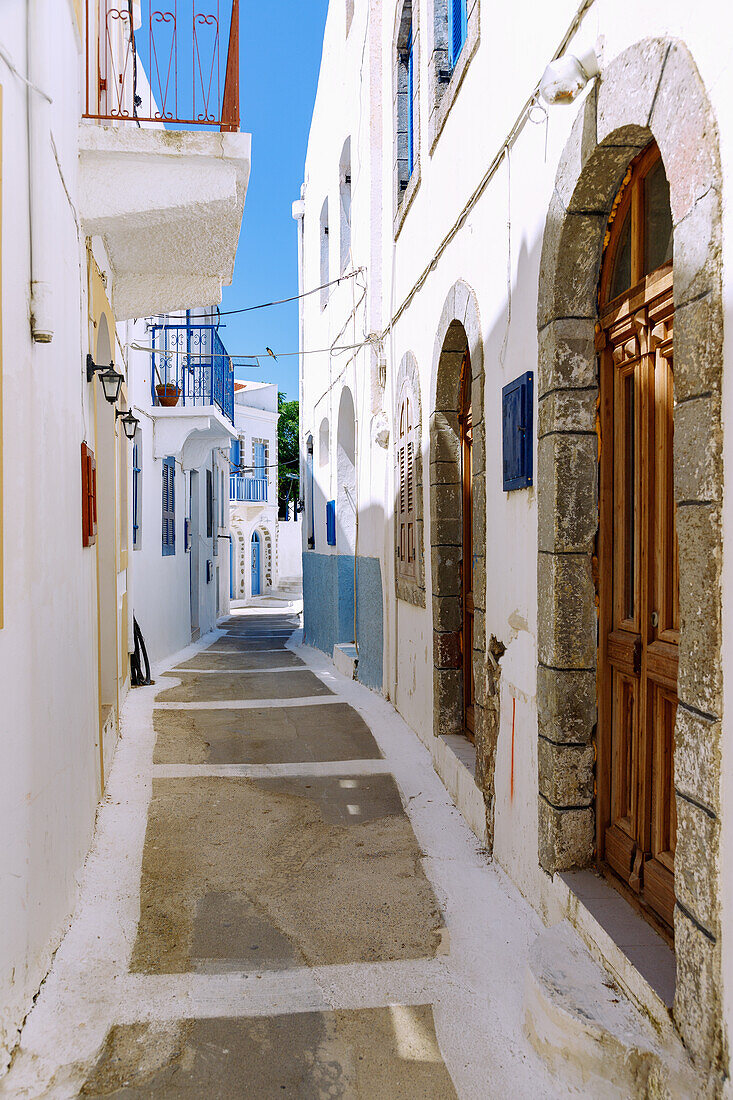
191	367
165	65
248	489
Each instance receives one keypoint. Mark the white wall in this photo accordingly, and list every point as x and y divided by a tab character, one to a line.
50	775
516	42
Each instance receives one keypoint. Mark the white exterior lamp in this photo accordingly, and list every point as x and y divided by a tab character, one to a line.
129	423
564	79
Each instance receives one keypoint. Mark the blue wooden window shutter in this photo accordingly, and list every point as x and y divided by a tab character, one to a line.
169	506
458	27
331	522
410	105
517	432
234	456
136	469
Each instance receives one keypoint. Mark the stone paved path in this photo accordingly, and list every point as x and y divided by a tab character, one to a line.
281	901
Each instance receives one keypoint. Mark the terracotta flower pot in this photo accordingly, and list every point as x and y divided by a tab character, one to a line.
168	395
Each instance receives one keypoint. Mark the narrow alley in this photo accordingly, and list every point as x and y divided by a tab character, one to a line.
315	918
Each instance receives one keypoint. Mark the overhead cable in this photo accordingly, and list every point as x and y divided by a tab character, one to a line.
295	298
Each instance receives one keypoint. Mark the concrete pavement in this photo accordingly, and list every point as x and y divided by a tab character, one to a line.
281	901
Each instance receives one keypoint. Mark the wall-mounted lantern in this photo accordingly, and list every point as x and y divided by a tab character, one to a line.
110	378
129	422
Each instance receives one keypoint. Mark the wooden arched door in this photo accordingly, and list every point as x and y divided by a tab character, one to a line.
638	576
465	422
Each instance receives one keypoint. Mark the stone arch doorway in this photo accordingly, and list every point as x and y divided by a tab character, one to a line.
638	100
458	386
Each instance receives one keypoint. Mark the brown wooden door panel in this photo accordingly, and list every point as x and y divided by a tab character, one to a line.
637	544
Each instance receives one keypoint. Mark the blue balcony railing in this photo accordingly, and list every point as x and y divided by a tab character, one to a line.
191	366
248	489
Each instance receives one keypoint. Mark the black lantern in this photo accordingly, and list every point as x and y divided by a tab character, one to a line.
110	378
129	422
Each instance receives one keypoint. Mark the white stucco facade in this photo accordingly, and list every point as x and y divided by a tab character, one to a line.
253	491
462	242
68	584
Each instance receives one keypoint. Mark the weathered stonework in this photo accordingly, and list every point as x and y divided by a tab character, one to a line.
411	589
459	331
650	91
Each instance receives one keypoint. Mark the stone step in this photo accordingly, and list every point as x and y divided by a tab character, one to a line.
587	1031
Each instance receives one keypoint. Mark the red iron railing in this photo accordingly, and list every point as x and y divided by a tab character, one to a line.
147	64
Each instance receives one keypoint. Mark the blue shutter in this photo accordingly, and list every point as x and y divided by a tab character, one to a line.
517	432
135	494
410	105
234	456
331	522
260	464
458	27
169	506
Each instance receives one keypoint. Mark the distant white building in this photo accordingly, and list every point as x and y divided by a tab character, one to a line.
183	395
265	551
253	490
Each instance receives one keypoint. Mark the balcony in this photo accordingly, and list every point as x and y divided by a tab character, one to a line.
192	391
164	170
247	490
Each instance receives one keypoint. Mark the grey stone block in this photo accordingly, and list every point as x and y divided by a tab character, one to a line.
697	864
567	503
698	347
571	257
697	1006
567	411
566	837
698	256
700	672
446	613
446	570
698	450
566	773
697	757
566	611
626	93
566	704
566	356
444	438
684	126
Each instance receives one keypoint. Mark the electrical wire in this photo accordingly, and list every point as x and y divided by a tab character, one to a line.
195	356
295	298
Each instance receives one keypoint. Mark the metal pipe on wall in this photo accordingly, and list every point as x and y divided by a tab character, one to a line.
40	173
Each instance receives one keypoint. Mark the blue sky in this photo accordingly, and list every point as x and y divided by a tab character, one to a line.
279	61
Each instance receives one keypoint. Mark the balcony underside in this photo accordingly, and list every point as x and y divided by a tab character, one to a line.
190	433
168	205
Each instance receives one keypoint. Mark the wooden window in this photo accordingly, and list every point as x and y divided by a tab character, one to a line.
406	496
88	497
169	506
637	546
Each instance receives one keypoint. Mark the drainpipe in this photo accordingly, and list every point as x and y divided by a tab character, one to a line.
299	217
40	174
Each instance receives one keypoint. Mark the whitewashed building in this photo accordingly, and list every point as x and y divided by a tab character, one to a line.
512	462
101	216
253	491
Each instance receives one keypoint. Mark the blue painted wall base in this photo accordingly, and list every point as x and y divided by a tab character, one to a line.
328	615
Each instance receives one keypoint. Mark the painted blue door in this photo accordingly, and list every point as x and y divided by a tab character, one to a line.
255	564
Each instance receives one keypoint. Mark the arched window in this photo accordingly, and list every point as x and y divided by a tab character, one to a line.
406	83
324	252
406	495
345	197
455	38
